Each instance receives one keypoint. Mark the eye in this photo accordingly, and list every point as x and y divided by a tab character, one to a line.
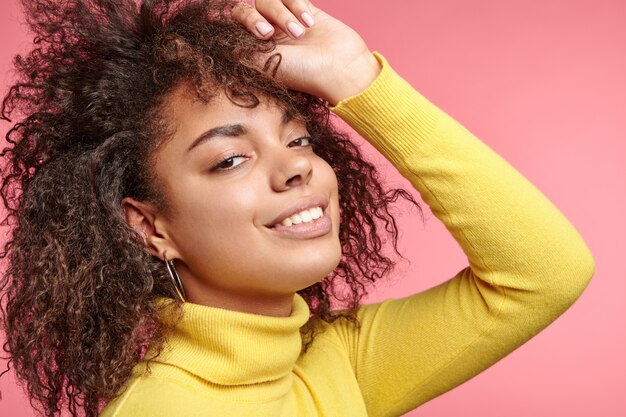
303	141
228	163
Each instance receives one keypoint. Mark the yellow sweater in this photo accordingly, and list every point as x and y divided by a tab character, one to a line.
527	265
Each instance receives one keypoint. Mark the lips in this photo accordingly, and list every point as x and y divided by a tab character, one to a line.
298	206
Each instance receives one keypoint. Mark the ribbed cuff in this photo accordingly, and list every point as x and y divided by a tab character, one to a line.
390	114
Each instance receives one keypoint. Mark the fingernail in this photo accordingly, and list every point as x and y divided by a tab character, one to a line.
295	29
263	28
308	19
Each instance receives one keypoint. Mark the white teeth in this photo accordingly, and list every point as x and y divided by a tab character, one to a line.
316	213
305	216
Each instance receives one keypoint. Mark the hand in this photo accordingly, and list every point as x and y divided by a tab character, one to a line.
320	55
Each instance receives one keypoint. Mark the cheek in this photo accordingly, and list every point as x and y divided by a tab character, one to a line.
325	174
328	180
211	218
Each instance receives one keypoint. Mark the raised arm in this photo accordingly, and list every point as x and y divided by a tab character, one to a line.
527	263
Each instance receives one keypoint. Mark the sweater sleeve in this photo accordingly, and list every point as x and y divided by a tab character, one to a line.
527	263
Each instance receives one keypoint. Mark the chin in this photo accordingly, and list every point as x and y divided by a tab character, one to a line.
321	269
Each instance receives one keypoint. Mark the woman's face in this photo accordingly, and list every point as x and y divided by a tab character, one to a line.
229	173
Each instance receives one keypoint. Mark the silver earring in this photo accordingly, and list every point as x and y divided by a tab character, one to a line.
178	284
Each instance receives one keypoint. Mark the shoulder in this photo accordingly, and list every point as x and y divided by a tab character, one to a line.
151	395
343	332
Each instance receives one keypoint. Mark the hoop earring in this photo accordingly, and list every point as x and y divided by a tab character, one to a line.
178	284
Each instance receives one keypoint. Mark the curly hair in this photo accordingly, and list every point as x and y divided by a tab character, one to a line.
79	289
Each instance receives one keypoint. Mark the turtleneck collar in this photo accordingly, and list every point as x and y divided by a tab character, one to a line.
227	347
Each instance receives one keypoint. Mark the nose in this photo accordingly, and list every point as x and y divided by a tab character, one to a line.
290	168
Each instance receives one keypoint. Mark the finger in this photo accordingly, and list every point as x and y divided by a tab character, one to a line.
301	9
277	13
250	18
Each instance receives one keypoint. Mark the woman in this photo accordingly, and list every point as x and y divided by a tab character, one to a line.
191	237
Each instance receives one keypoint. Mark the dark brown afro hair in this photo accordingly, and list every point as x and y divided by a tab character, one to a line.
78	288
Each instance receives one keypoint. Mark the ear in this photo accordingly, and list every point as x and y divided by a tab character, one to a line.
146	221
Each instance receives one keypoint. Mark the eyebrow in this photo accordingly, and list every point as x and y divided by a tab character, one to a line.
232	130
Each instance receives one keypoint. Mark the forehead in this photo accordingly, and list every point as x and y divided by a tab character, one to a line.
183	106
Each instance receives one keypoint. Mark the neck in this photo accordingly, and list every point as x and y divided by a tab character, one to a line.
236	350
275	305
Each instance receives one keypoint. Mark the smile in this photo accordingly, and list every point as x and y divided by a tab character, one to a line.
306	224
305	216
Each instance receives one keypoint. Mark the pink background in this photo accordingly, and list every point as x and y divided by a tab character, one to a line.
543	83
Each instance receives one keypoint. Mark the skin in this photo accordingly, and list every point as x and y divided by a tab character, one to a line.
214	229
